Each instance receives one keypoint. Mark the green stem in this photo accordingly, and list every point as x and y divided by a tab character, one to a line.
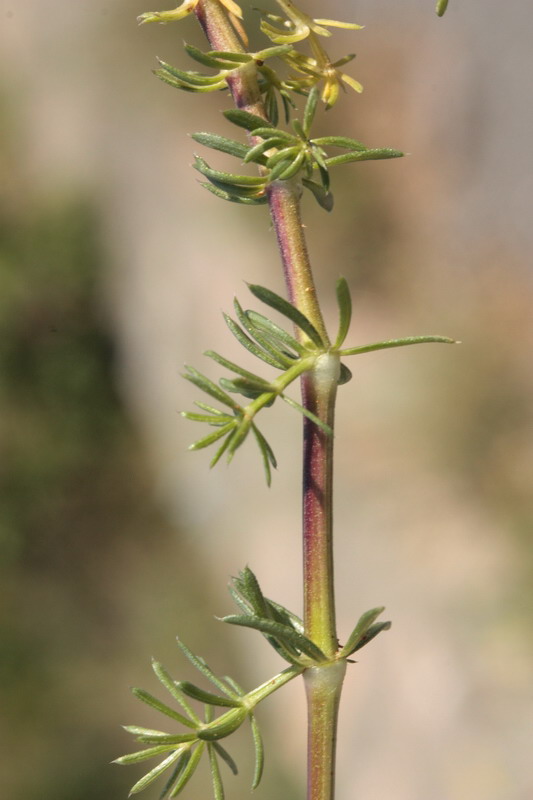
323	684
323	687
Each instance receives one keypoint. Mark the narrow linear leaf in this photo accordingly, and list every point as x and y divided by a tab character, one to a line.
151	776
229	178
409	340
309	414
152	701
259	752
211	438
323	198
339	141
225	756
288	310
365	155
167	738
234	197
188	770
202	58
279	355
202	667
218	789
246	120
209	388
252	592
281	632
211	419
285	616
143	755
224	362
274	133
176	772
267	454
206	697
309	110
170	685
363	624
216	142
371	633
294	168
266	325
344	301
250	345
220	452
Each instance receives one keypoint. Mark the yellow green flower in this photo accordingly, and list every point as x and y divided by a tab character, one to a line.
318	68
187	7
298	25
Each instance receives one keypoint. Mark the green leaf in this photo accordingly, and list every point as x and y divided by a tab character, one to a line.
246	120
224	362
206	697
272	52
167	738
339	141
386	345
234	58
309	111
250	589
229	178
371	633
257	152
152	701
187	76
323	198
266	452
209	418
210	388
279	336
206	59
250	345
211	438
206	671
218	789
274	133
188	769
143	755
441	7
178	769
309	414
259	752
364	155
151	776
280	357
225	756
294	167
283	633
221	143
250	389
235	196
365	621
170	685
288	310
344	301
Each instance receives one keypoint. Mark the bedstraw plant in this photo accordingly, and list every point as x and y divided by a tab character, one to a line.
276	92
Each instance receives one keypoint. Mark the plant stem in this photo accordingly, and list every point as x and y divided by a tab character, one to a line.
319	386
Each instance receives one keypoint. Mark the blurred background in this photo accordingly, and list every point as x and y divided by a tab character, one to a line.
114	267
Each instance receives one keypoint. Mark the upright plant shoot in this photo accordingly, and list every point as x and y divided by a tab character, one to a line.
276	93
